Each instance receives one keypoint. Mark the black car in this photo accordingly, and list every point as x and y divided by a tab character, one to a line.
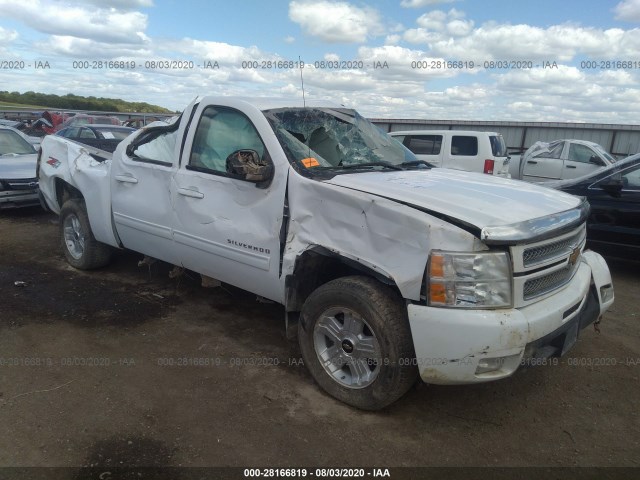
613	227
105	137
96	131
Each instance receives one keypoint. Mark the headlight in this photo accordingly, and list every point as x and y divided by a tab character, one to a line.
469	280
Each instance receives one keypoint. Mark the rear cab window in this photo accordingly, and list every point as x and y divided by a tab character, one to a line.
464	145
424	144
498	146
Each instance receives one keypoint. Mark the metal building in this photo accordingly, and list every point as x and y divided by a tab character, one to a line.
619	140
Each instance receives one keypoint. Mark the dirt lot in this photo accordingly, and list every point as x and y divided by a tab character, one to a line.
92	373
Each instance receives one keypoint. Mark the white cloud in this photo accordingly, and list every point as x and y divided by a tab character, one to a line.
107	25
7	36
569	94
117	4
289	39
438	25
460	28
433	20
336	22
525	42
421	35
628	11
405	65
392	39
219	51
338	80
422	3
67	46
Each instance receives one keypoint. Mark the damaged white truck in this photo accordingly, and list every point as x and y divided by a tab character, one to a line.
389	269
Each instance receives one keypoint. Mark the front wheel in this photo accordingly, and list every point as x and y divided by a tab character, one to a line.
80	247
355	339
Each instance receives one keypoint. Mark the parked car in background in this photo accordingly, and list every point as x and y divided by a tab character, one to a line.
18	184
104	137
468	150
97	131
613	226
562	160
83	119
16	127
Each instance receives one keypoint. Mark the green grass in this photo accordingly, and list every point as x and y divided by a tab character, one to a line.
18	106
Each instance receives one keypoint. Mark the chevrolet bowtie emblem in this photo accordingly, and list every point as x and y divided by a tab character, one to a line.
575	254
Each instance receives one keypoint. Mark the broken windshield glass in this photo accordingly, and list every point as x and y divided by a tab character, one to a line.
335	138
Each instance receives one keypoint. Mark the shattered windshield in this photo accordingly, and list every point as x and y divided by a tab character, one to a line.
337	139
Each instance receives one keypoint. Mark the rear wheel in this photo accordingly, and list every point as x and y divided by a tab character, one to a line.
355	339
80	247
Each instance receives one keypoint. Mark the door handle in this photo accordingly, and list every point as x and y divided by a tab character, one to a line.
126	179
571	166
187	192
531	162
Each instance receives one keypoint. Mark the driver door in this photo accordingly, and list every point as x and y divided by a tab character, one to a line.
615	218
227	227
578	162
545	166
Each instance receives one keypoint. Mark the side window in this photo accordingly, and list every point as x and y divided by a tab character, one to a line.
555	151
72	132
425	144
631	180
222	131
464	145
86	133
158	148
580	153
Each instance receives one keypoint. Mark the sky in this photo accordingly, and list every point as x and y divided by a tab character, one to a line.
549	61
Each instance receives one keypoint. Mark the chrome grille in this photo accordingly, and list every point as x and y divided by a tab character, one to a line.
536	255
538	286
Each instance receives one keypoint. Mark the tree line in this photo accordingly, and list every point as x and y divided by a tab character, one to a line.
77	102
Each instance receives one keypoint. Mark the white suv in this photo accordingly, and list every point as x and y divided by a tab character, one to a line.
468	150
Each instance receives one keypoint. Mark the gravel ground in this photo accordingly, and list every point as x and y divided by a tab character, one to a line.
126	367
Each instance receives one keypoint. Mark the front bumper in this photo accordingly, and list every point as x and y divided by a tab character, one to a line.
18	198
455	346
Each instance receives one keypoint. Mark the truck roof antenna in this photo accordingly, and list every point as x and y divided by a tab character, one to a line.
304	102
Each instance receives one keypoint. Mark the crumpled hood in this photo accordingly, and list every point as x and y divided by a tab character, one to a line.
473	198
18	167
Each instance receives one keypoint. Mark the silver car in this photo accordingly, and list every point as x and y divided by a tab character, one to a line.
562	160
18	182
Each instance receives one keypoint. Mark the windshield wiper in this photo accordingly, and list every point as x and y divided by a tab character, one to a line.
373	164
417	162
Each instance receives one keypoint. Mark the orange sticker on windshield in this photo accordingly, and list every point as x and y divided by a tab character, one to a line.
310	162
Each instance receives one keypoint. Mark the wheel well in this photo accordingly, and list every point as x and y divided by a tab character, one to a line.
65	191
318	266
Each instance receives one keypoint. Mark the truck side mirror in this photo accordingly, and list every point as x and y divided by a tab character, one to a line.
613	187
247	165
596	160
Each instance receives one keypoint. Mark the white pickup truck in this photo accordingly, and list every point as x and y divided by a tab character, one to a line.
389	269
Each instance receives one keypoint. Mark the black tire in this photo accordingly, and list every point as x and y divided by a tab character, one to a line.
93	254
384	316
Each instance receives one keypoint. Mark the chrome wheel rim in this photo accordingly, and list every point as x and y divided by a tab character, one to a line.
73	236
347	348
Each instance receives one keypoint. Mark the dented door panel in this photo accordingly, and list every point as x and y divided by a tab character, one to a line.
73	163
228	228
